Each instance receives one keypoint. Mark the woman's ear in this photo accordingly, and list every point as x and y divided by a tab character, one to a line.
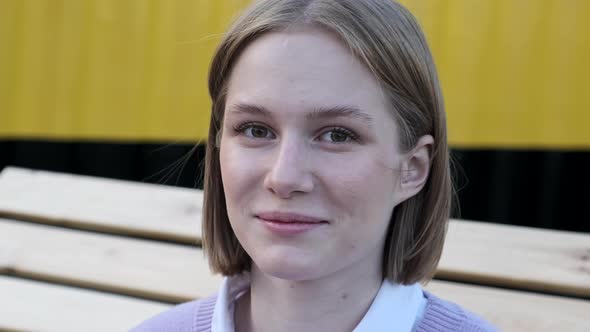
415	168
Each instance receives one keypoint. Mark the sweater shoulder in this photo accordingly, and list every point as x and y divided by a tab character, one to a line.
193	316
445	316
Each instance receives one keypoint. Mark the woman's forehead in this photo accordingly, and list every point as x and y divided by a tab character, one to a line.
304	69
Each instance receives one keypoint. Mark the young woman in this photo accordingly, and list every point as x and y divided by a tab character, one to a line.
327	185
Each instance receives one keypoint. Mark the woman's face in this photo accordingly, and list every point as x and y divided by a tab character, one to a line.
309	157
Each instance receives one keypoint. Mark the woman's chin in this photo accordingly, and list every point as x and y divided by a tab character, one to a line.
288	267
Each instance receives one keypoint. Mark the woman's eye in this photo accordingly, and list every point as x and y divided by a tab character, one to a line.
338	135
255	131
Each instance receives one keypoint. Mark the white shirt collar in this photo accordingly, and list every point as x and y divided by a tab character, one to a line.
395	308
223	313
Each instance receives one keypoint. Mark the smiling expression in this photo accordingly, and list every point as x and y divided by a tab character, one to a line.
309	156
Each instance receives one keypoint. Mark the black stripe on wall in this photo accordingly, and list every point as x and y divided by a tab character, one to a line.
549	189
166	163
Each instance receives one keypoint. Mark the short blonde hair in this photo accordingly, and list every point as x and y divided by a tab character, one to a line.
386	38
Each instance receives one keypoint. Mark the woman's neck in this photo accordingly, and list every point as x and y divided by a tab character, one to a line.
334	303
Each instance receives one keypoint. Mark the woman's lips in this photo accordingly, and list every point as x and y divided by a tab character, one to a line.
288	217
282	223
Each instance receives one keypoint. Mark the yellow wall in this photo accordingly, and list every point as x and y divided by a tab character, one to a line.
515	72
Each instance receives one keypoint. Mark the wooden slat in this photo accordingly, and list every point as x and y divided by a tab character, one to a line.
179	273
86	202
143	268
27	305
518	311
520	257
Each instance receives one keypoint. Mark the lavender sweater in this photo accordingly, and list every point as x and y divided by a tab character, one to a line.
196	316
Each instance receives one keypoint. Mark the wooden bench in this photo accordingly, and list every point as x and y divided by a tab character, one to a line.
83	253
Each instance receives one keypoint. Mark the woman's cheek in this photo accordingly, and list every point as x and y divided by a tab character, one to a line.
231	169
239	167
363	181
350	182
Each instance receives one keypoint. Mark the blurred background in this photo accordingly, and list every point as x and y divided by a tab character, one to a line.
117	88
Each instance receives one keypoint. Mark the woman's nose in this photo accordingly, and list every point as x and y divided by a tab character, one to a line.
289	172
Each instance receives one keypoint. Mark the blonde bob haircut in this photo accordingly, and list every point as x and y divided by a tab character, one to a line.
386	38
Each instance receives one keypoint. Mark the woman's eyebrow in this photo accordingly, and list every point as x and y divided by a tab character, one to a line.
339	111
250	109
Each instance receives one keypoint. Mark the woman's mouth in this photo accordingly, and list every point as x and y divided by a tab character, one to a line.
286	224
